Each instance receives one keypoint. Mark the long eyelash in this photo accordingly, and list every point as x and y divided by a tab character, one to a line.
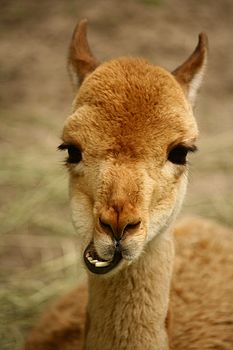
74	158
192	148
62	147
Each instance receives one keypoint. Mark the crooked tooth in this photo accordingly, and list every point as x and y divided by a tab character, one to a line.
102	263
93	261
89	258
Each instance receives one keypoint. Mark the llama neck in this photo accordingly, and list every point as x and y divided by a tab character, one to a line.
129	310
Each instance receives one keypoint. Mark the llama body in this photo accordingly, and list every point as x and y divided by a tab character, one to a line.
127	140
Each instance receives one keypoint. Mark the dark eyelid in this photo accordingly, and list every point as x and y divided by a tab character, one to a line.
62	147
65	146
192	148
189	148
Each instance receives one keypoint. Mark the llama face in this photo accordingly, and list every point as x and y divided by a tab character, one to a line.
127	141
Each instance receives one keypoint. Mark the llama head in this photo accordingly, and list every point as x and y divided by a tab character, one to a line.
127	140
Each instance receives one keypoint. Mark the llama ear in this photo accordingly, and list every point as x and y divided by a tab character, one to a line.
80	56
190	73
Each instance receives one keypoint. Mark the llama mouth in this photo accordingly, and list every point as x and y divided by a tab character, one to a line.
97	265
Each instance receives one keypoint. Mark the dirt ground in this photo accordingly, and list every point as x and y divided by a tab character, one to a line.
37	247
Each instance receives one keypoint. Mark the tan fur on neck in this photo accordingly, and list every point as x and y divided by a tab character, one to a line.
128	314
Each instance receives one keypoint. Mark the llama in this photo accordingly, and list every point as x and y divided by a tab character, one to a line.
128	140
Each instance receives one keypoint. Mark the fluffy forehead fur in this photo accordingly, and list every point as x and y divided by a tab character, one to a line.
128	107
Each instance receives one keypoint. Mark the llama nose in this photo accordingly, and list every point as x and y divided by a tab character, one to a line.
116	226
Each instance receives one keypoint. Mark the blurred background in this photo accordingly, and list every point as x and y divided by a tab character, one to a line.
38	258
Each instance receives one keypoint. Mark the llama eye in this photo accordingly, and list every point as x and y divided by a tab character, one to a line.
179	153
74	153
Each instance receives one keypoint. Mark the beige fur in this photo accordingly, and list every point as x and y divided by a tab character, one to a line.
128	115
202	298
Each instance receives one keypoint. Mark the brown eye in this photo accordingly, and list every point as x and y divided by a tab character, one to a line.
74	153
179	153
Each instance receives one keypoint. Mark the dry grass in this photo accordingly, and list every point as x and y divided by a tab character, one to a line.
211	186
37	246
35	266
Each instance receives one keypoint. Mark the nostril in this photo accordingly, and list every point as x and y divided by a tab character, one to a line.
105	226
132	226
